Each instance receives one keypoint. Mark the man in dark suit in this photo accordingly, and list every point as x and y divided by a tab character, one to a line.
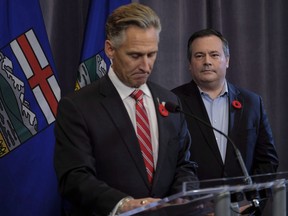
98	160
237	112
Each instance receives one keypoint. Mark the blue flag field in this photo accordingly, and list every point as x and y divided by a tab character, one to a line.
29	94
94	63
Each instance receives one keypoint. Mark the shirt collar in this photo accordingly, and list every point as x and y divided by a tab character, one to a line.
223	92
124	90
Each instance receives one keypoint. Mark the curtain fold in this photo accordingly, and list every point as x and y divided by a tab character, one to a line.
256	30
257	37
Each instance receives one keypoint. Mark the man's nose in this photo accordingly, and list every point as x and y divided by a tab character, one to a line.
145	63
207	60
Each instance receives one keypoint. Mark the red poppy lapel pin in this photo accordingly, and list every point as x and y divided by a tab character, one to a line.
162	109
236	104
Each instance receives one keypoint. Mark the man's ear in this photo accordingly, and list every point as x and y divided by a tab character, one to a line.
227	62
109	49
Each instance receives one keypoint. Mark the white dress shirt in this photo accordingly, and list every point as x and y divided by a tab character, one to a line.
125	92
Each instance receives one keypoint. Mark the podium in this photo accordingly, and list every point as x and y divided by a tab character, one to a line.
222	197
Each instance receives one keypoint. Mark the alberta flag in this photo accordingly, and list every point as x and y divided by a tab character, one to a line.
29	95
94	63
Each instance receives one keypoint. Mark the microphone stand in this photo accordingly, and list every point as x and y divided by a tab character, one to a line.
252	196
175	108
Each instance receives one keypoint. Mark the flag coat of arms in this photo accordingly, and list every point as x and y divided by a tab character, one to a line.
29	94
94	63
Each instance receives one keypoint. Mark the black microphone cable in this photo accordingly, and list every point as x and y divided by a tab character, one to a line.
254	209
174	108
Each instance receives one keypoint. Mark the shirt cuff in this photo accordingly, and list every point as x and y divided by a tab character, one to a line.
116	209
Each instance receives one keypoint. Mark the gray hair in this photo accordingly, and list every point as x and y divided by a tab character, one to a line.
133	14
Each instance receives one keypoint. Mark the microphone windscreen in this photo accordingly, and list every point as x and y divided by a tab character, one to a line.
172	107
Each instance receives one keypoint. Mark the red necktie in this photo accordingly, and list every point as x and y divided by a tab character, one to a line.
143	133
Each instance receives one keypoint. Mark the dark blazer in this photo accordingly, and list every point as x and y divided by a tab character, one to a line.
248	128
97	156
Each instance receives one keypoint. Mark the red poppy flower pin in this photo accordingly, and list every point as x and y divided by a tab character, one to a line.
162	109
236	104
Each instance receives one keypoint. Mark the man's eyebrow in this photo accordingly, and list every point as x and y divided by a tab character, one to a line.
199	52
134	52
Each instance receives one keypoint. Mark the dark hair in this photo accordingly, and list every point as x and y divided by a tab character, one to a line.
205	33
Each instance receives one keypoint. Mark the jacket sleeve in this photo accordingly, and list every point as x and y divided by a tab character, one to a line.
74	163
265	158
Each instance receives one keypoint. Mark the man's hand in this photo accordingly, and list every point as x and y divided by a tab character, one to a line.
136	203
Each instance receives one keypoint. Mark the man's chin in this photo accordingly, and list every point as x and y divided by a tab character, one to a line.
138	83
209	78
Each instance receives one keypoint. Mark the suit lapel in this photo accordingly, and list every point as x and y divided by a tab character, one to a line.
235	116
119	116
196	106
234	113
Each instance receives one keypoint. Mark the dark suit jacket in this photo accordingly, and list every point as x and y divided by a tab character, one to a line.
248	128
97	155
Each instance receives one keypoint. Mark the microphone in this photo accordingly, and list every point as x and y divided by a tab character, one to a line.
252	196
174	108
